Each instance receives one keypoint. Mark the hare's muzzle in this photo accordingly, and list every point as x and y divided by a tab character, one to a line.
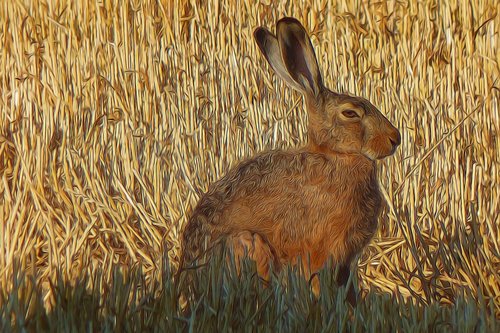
395	138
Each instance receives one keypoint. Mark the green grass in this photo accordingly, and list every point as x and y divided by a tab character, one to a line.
217	300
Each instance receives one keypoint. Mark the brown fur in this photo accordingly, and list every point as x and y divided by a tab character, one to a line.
318	202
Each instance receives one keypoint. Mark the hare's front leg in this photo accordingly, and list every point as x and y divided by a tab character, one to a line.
342	278
253	245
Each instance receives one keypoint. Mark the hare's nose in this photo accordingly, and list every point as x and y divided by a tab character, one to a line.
395	137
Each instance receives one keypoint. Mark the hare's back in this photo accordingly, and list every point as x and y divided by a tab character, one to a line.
268	187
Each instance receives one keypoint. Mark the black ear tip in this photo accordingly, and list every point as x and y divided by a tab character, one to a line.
259	34
289	20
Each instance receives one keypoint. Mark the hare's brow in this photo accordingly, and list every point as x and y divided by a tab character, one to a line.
352	104
363	104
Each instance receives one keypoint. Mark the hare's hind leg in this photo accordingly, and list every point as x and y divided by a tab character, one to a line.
253	245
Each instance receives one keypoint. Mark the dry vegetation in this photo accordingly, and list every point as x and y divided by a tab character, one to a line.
116	117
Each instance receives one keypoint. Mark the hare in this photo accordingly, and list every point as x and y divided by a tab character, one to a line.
318	202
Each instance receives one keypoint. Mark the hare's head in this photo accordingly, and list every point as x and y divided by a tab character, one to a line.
338	123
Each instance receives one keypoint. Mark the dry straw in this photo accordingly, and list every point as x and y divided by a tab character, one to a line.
115	116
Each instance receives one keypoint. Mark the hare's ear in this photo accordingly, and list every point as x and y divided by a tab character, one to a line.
268	45
298	55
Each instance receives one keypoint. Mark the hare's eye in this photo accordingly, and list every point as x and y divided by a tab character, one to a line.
350	114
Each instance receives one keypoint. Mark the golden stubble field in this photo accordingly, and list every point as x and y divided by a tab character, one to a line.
116	116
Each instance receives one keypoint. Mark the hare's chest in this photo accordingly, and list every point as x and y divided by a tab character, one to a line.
335	221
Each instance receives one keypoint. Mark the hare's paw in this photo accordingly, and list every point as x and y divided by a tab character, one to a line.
254	246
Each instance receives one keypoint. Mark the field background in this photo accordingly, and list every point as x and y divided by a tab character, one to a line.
116	116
